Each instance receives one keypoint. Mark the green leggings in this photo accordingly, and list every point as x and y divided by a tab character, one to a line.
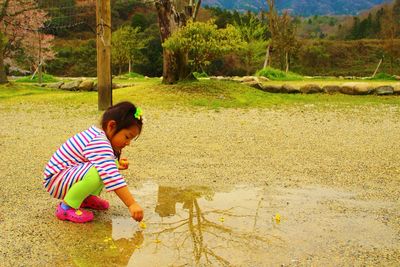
91	184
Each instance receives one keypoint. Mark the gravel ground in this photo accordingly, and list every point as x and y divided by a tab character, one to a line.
351	149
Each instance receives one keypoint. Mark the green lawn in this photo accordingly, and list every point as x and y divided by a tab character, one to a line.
205	93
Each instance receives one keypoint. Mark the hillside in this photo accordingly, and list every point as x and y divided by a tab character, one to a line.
301	7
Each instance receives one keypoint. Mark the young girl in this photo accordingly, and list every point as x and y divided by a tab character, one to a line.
89	161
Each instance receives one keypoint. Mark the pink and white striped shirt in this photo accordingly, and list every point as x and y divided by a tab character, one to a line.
73	159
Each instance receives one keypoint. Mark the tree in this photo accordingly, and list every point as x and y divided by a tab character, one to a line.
37	50
254	33
127	43
203	42
19	19
283	33
390	32
173	15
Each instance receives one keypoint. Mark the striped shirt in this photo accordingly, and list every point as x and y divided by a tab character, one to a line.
73	159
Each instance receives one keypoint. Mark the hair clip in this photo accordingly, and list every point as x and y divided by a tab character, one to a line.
138	113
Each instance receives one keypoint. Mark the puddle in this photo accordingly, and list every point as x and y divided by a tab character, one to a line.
246	226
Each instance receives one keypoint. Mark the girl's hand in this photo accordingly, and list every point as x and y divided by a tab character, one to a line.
136	212
123	164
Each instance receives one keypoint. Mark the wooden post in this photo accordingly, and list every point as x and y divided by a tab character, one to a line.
103	40
40	59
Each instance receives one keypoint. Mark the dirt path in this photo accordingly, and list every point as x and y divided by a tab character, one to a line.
355	151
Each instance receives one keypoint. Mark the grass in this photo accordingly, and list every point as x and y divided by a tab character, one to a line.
278	75
383	77
46	78
210	94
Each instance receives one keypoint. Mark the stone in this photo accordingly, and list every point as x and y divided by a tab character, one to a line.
310	89
396	89
86	85
384	90
272	88
55	85
71	86
286	88
356	88
331	89
263	79
254	84
247	79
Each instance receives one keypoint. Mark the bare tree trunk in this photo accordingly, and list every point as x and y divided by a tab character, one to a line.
3	75
267	59
175	65
287	61
130	66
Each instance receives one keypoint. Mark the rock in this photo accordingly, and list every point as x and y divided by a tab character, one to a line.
384	90
71	86
356	88
330	89
263	79
288	89
310	89
86	85
55	85
247	79
272	88
397	77
254	84
396	89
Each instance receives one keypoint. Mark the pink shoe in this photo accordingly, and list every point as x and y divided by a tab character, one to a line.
96	203
73	215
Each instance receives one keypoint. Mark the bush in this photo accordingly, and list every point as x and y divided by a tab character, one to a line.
200	74
383	76
131	75
46	78
278	75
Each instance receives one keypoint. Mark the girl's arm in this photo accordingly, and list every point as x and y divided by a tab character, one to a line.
134	208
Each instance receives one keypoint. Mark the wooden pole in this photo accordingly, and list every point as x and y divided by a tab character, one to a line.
103	40
377	68
40	59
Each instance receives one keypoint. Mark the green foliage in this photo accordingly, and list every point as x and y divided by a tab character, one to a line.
278	75
46	78
314	56
75	59
383	77
253	32
200	74
204	42
127	43
131	75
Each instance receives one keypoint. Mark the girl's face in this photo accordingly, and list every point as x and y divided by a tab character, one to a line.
121	139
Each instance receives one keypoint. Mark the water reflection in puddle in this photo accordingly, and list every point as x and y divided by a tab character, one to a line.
244	227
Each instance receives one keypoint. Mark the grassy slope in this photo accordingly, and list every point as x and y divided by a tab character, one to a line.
205	93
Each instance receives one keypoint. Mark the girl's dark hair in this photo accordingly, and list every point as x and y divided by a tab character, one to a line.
124	115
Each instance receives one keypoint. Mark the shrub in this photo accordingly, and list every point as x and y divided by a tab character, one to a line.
278	75
131	75
383	76
200	74
46	78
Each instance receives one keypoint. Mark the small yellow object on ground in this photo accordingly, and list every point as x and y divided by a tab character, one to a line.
277	218
142	225
157	241
222	219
